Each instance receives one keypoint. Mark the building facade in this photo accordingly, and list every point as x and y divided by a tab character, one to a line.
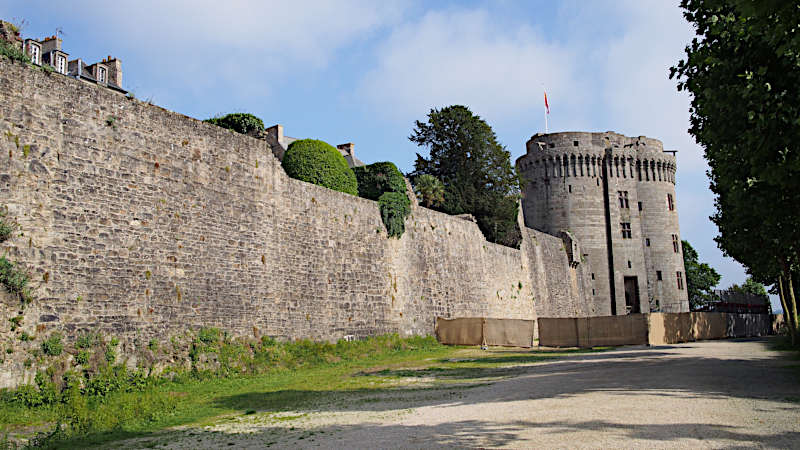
616	195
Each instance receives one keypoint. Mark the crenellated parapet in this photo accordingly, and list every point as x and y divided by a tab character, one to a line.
579	154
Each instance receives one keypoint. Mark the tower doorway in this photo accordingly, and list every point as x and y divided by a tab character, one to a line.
632	295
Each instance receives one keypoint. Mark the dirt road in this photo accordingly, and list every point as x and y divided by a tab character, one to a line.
702	394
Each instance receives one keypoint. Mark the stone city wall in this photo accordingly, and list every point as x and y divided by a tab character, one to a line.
139	222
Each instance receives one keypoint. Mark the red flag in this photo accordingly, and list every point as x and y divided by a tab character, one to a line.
546	105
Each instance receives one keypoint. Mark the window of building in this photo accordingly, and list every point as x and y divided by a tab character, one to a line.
680	280
626	230
629	264
676	245
640	206
575	143
593	275
35	54
647	242
658	275
551	145
570	188
101	74
670	202
623	199
61	64
593	292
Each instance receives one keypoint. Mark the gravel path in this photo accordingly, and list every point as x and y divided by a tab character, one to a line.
703	394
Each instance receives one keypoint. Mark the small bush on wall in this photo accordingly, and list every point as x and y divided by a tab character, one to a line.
377	178
239	122
395	207
320	163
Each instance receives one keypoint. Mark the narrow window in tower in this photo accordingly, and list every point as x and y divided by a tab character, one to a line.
640	206
593	292
593	275
676	244
621	203
625	195
570	188
626	230
680	280
647	242
629	264
659	277
670	202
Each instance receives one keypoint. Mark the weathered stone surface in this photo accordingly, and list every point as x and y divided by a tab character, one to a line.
566	175
139	222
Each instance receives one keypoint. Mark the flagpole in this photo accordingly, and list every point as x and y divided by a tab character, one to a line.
545	121
546	108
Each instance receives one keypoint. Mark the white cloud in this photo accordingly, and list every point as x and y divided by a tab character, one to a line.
636	89
245	47
463	57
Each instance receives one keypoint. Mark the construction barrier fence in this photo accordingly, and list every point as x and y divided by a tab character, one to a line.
486	331
632	329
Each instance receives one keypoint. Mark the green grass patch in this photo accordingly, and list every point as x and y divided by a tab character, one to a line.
280	379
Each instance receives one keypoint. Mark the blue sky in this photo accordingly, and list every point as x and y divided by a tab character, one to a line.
363	70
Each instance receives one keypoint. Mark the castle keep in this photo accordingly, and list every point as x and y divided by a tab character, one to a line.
616	195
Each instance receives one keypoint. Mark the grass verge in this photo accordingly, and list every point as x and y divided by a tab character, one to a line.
308	375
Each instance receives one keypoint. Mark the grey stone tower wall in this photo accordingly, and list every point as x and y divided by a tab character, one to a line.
563	192
565	178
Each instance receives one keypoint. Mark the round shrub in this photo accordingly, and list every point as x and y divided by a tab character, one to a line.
394	206
239	122
377	178
320	163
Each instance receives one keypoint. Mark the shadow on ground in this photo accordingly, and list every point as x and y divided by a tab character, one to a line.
474	433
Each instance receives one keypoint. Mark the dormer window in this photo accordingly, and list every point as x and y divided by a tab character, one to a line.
35	53
101	74
61	64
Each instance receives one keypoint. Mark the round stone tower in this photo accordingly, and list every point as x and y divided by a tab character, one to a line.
616	195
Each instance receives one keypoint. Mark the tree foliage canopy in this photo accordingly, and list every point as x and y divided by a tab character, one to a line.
320	163
239	122
376	178
700	278
429	190
743	73
474	168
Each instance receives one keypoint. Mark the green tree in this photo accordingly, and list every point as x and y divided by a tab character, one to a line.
429	189
320	163
239	122
743	74
750	286
474	168
700	278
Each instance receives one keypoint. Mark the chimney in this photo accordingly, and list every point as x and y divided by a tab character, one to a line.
50	44
114	70
275	140
346	149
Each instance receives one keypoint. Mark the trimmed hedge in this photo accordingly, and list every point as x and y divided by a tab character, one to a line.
377	178
239	122
395	207
320	163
